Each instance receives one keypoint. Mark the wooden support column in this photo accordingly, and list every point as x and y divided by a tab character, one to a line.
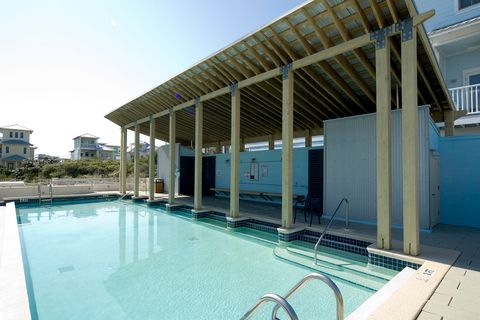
218	148
411	188
271	142
197	200
384	147
235	153
287	146
308	139
171	158
151	164
123	161
449	116
136	164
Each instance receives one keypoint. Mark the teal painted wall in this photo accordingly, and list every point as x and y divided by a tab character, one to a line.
269	169
460	180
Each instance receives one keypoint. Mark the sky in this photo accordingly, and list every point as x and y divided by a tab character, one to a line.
65	64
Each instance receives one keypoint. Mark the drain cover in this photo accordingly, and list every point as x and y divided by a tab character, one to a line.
66	269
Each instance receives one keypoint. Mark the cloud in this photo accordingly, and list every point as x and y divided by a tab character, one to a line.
113	23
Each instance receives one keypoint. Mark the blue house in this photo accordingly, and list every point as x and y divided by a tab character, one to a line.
455	36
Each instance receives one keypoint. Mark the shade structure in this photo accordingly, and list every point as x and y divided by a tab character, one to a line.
341	84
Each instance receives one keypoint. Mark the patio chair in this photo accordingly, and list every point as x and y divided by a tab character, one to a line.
311	204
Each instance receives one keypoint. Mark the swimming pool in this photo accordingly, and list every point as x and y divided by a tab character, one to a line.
117	260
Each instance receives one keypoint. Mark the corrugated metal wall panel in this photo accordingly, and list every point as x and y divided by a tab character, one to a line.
350	166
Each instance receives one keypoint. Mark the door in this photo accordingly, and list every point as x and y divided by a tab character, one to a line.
434	189
208	175
187	176
10	165
472	93
315	174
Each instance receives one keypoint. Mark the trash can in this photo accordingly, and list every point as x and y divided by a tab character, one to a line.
159	185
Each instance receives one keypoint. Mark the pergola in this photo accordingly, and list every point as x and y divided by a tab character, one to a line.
324	59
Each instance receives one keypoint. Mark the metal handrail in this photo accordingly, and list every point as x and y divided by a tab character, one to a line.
329	223
327	281
50	189
39	190
279	301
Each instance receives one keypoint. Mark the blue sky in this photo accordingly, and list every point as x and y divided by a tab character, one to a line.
65	64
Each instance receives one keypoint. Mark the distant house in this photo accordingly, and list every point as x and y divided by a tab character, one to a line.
455	36
143	150
15	146
86	146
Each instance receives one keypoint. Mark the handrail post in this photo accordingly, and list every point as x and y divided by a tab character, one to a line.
279	301
328	225
324	279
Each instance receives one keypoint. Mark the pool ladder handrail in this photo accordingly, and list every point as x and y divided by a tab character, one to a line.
329	223
126	194
303	282
279	302
50	192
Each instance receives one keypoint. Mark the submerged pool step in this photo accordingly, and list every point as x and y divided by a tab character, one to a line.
332	266
344	262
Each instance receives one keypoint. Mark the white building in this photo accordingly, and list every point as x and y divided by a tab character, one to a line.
15	146
86	146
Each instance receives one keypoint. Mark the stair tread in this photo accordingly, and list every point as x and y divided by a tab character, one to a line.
359	279
346	263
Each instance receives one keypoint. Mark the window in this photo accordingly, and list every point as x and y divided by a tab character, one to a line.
7	149
462	4
11	134
16	134
21	135
24	150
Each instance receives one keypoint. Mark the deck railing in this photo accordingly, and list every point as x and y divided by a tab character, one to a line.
467	98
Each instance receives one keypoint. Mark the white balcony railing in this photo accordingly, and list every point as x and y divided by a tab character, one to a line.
467	98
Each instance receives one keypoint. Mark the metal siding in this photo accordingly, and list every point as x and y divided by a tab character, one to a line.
350	166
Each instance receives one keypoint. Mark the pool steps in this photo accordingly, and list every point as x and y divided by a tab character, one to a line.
338	266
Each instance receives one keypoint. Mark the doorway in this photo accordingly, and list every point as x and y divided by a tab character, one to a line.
434	188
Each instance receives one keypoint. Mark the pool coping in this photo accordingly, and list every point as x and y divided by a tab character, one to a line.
14	302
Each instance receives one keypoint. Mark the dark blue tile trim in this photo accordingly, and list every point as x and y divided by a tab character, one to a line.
33	202
391	263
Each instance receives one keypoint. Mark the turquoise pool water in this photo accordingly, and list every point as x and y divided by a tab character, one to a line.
111	260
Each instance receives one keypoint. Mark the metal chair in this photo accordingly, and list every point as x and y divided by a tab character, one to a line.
311	204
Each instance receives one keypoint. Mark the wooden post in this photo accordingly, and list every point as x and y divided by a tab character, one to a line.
384	148
271	142
151	164
287	146
120	167
123	162
171	158
197	201
449	117
308	139
136	164
235	153
411	188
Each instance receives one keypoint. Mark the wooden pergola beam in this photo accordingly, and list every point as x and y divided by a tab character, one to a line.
297	64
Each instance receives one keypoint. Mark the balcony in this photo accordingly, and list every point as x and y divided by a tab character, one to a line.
467	98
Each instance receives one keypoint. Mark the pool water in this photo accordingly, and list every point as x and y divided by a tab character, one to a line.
112	260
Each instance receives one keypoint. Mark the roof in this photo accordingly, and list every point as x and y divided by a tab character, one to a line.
465	23
14	158
339	85
86	135
16	127
15	141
